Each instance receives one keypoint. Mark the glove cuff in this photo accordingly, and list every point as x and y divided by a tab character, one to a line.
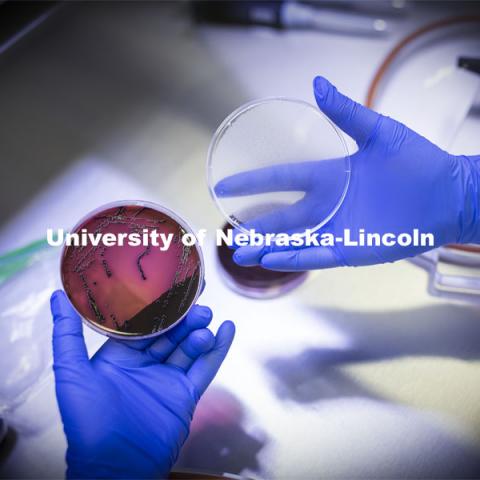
469	218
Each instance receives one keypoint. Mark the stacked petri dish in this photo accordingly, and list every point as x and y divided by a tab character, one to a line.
256	173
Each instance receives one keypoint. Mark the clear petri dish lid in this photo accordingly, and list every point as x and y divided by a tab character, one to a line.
278	165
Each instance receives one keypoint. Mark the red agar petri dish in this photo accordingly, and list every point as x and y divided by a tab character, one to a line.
255	282
129	291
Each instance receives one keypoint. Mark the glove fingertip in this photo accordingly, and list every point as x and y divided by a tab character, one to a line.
247	256
275	261
221	189
198	317
225	334
206	367
240	259
202	340
61	307
55	299
321	86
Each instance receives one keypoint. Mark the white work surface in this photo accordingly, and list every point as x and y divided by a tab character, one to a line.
357	373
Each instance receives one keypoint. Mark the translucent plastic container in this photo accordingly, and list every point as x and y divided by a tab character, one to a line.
252	172
256	157
454	272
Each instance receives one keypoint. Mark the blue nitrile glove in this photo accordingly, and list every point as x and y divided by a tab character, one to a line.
127	411
399	182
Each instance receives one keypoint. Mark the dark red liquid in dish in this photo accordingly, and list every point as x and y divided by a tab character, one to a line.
131	290
256	281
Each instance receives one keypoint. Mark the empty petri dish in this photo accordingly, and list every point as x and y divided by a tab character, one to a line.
128	291
278	165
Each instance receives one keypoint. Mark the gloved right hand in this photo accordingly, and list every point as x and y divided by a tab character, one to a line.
400	182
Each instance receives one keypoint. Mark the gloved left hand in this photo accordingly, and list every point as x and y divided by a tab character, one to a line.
126	412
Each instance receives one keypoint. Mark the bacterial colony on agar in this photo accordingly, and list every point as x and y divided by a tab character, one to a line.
132	291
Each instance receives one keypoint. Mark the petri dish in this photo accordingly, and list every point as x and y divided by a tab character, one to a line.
255	282
126	291
278	165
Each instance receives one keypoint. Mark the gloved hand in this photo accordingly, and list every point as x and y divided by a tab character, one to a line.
399	182
127	411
